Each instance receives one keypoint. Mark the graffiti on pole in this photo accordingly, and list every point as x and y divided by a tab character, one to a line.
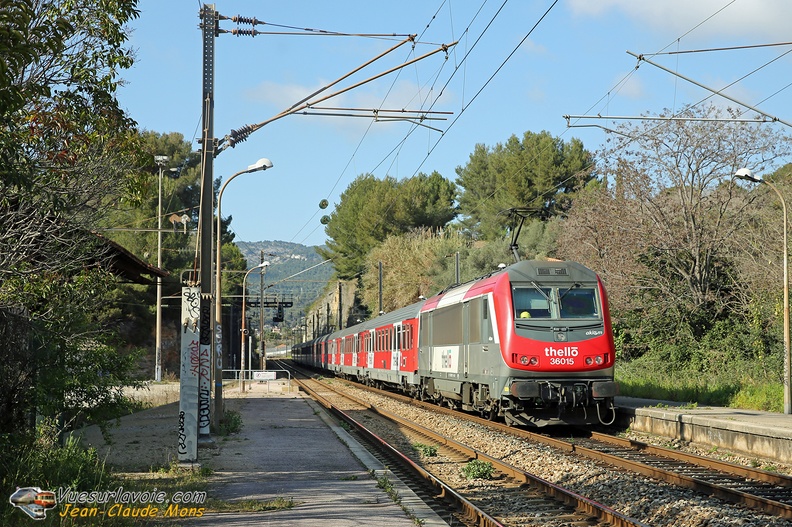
189	375
205	362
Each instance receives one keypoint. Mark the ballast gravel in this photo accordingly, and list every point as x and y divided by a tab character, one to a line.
652	502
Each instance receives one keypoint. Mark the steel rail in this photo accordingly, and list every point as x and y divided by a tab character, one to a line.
715	464
581	503
769	506
464	506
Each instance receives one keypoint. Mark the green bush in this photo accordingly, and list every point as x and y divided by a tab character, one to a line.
735	363
477	469
39	460
230	423
426	450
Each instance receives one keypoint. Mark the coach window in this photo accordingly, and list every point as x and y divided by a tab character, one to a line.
578	303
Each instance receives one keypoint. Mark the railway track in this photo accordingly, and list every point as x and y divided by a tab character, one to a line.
439	497
760	490
513	496
763	491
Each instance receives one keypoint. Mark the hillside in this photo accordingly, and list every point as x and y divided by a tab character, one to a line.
286	260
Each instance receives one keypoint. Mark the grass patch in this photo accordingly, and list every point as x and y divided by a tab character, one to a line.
766	397
278	504
736	385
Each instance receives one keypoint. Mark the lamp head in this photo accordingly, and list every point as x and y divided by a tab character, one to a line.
747	175
262	264
261	164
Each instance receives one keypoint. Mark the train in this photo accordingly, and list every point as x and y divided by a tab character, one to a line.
530	343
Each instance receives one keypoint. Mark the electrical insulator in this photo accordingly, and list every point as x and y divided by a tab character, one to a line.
246	20
237	136
245	32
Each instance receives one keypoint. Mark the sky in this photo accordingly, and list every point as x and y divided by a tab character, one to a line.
511	67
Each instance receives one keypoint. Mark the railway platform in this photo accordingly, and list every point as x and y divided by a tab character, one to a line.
754	433
290	450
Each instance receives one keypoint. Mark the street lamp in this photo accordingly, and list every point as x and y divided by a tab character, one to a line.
160	160
242	368
747	175
261	164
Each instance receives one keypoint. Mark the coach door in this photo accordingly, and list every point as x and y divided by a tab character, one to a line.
370	349
396	337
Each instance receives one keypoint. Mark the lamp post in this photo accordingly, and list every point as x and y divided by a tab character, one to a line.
242	368
160	160
262	352
261	164
747	175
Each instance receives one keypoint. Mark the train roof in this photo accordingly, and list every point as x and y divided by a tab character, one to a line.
543	270
386	319
539	271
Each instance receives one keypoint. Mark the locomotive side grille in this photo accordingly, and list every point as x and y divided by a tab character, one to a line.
549	271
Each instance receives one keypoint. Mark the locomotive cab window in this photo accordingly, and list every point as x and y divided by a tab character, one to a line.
578	303
535	302
531	302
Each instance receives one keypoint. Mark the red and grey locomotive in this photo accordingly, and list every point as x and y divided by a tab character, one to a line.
531	343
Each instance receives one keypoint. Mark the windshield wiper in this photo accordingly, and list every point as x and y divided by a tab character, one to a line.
573	286
536	286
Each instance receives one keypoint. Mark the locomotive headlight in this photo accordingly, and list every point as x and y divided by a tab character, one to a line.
598	359
528	361
588	361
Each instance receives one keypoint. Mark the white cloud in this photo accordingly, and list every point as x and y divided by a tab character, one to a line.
282	95
630	86
761	20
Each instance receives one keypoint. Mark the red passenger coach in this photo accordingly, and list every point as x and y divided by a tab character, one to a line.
531	343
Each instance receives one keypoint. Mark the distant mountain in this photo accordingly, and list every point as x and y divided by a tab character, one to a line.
286	260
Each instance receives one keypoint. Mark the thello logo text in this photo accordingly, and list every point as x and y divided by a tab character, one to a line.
566	351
